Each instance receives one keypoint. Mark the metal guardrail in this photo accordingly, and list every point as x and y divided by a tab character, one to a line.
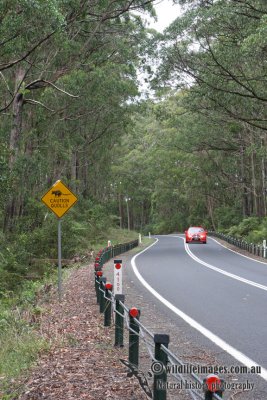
156	344
112	251
256	249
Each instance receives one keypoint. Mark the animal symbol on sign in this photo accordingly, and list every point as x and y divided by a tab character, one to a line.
58	193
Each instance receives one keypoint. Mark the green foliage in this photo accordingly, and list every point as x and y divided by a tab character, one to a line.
86	226
20	342
19	348
227	216
245	227
253	230
73	73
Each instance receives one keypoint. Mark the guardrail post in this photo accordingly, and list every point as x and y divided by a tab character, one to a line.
98	274
119	319
102	280
160	377
97	266
107	312
213	384
133	358
97	283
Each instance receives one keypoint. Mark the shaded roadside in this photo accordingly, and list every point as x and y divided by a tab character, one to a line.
82	362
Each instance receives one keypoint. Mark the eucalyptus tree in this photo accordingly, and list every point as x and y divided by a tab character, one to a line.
51	51
216	52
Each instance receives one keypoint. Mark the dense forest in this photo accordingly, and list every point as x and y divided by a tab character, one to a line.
191	152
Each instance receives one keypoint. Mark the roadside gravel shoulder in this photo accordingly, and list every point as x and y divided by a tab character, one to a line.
82	362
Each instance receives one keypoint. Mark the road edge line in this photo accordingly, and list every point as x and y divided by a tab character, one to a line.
236	252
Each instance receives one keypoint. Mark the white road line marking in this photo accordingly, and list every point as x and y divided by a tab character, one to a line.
236	252
242	358
221	271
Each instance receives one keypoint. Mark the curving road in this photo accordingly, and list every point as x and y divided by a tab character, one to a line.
220	293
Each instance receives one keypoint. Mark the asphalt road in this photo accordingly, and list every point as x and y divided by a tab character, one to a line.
221	294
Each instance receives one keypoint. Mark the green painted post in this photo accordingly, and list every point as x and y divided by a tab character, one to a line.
133	356
119	320
107	312
98	292
98	275
101	295
96	283
160	378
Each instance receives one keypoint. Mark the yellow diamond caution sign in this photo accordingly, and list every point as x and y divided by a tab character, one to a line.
59	199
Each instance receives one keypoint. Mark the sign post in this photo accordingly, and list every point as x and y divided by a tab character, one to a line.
59	260
59	199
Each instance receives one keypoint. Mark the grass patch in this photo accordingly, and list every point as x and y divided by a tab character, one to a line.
145	243
116	236
20	340
20	346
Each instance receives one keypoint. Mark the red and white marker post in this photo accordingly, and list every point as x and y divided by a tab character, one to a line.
117	277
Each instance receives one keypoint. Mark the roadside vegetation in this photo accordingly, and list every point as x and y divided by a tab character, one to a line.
22	304
20	341
253	230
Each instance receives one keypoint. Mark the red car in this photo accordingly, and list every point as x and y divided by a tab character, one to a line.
196	234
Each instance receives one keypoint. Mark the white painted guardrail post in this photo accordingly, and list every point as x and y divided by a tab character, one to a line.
117	277
264	248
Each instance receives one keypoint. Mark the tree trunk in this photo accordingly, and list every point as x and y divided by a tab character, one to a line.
210	211
16	121
263	176
244	182
15	134
121	209
74	168
253	181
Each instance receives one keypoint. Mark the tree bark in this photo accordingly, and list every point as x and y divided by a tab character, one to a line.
263	176
15	134
16	120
